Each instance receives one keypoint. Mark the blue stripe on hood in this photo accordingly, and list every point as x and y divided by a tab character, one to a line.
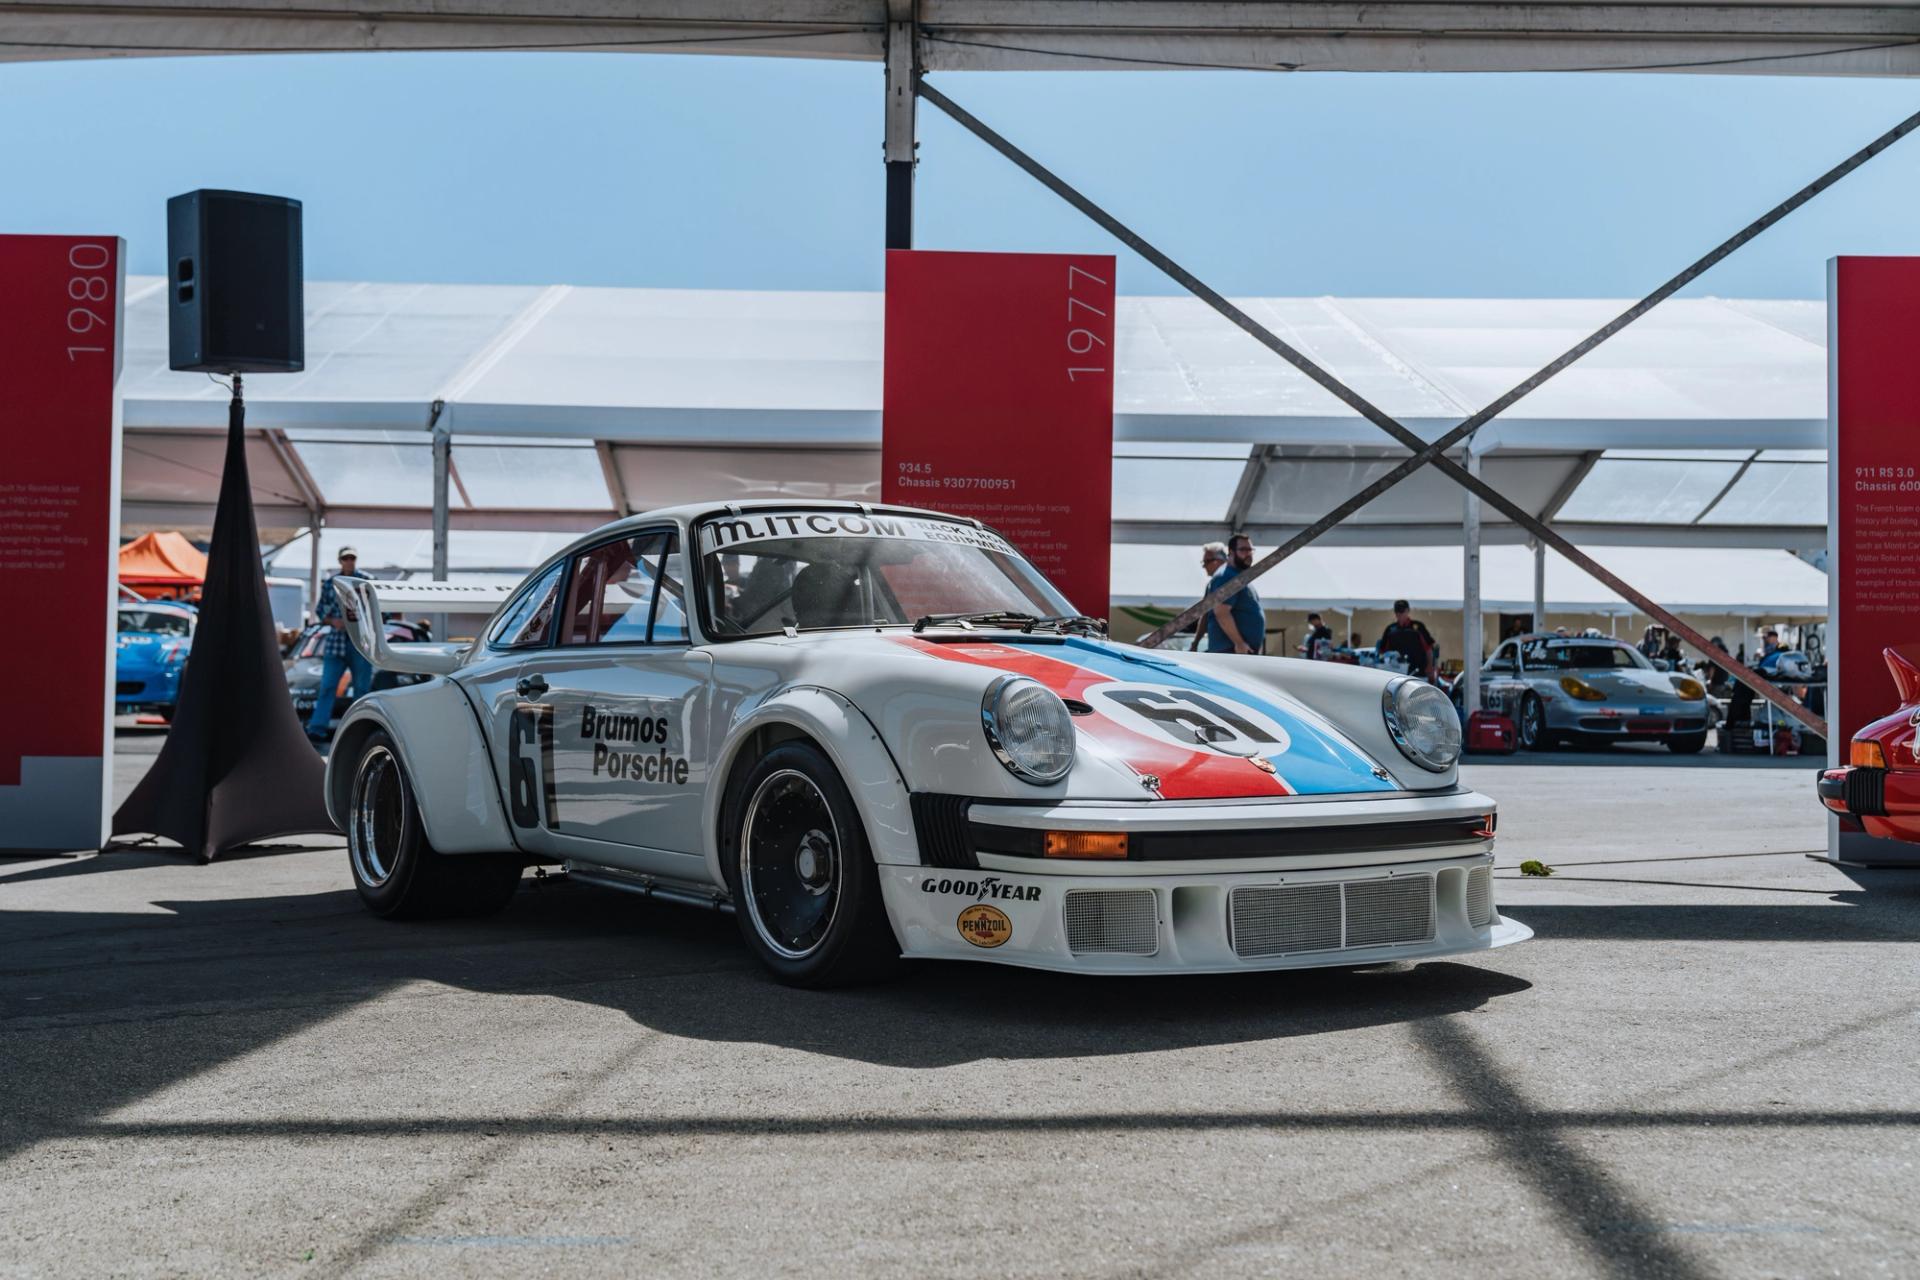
1318	762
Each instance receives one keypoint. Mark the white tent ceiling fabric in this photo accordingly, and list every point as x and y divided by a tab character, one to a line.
1722	580
1758	36
569	406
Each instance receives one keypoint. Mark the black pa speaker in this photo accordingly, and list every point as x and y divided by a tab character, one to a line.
235	301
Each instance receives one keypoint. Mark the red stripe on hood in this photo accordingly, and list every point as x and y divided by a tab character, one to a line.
1183	774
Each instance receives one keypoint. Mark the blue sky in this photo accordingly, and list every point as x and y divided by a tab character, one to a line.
752	173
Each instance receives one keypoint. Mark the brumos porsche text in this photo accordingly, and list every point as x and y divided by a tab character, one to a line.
658	765
983	888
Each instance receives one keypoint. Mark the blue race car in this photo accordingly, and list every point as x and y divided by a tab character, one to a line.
154	639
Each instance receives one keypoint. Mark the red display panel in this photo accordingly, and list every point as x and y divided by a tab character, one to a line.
1873	486
59	526
998	402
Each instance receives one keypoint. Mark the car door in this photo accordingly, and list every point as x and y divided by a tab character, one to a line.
616	713
519	727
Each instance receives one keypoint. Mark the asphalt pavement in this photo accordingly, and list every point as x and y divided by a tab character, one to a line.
1703	1066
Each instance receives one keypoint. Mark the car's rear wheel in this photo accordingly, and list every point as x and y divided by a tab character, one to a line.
396	872
804	887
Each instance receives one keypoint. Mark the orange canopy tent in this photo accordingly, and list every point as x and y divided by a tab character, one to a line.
162	560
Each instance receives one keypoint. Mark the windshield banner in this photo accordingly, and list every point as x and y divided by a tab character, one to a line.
1873	490
731	533
59	534
998	402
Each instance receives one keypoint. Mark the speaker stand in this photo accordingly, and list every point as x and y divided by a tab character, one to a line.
237	766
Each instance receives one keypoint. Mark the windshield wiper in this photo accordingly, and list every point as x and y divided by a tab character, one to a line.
1079	623
993	617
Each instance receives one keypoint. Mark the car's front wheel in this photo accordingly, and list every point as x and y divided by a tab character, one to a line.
804	887
1687	744
397	873
1532	729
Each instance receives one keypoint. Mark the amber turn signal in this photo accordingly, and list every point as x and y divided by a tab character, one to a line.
1086	844
1866	755
1575	687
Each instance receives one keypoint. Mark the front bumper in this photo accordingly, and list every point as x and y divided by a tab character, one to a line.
1311	894
1177	923
1884	802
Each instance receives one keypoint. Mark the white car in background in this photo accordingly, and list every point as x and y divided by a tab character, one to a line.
876	732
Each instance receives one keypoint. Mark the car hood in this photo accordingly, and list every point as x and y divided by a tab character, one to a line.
145	648
1202	734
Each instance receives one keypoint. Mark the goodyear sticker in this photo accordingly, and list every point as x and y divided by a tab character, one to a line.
984	926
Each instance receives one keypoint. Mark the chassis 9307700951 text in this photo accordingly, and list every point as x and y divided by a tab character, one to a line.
874	733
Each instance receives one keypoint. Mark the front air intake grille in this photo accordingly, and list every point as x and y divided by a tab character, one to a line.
1296	919
1112	922
125	688
940	823
1285	920
1381	913
1867	792
1480	897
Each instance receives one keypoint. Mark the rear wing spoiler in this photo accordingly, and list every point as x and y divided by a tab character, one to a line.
362	601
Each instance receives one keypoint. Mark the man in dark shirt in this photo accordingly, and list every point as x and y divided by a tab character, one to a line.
1410	638
1319	642
1237	624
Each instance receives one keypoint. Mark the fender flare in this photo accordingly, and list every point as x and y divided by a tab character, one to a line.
435	714
853	745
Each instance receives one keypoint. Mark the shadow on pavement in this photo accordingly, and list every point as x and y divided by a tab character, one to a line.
101	1009
1870	917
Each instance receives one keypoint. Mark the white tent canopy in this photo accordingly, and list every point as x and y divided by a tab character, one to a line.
1702	425
1764	36
1730	581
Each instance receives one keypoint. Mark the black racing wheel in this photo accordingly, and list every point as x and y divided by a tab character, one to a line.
1532	729
397	873
804	888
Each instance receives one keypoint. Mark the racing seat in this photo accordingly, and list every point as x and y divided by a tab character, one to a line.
827	595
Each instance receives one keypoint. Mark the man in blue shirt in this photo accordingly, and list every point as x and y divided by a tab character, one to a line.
1237	624
337	654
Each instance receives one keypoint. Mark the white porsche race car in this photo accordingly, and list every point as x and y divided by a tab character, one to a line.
875	732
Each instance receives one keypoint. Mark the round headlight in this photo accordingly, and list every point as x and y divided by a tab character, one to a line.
1423	723
1028	728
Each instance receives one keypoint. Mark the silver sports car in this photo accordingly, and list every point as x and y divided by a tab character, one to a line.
1586	689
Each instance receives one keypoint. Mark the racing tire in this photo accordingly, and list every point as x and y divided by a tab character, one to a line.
1531	731
1687	744
398	875
805	892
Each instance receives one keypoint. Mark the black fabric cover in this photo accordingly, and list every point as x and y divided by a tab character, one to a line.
237	765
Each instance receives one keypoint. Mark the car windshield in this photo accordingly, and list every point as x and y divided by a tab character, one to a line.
154	622
765	571
1583	657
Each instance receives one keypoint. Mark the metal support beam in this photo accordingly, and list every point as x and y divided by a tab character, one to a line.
1424	453
1539	584
442	466
903	70
610	468
1470	620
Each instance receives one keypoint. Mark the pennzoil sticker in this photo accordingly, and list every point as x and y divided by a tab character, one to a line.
729	533
984	926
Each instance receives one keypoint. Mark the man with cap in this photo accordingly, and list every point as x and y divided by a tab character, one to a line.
337	654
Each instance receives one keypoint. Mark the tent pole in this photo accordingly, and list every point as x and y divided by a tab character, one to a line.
903	74
1471	640
1539	584
313	560
442	465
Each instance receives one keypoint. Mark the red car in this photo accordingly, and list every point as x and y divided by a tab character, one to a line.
1879	789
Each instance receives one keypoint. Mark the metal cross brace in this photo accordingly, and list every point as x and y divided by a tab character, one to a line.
1423	453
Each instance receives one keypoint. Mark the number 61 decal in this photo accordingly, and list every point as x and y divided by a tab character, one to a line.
1190	718
530	767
